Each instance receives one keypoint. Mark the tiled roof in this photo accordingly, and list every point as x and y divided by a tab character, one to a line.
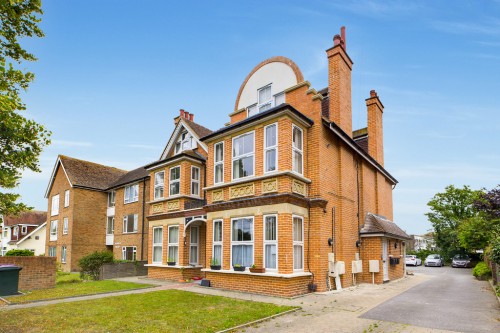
32	217
197	128
189	153
131	176
375	224
90	175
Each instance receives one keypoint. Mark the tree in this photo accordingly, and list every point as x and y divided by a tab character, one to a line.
21	139
449	210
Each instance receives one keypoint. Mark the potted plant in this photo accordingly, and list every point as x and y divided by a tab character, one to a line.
255	269
171	261
239	268
214	264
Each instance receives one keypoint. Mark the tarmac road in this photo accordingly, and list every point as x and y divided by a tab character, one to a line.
451	300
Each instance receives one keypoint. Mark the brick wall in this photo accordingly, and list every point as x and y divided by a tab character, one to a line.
36	272
174	273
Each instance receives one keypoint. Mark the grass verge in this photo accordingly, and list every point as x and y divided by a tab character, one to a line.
160	311
74	289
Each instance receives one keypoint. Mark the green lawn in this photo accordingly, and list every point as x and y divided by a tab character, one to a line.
159	311
74	289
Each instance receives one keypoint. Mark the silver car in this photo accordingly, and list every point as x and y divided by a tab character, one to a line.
434	260
460	260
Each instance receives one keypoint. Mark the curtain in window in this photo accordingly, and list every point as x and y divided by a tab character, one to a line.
243	255
270	253
297	257
217	255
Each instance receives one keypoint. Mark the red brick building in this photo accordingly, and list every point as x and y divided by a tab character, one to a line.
286	186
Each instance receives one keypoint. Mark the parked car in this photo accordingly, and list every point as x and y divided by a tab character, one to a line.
434	260
413	260
461	260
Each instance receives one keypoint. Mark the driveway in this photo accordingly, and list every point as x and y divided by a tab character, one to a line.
451	300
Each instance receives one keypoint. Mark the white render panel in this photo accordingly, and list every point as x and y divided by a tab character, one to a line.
279	74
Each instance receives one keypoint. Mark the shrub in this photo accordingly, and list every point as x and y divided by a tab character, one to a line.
481	271
494	250
20	253
91	264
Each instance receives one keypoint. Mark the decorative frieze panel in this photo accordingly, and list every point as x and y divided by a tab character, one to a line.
158	208
298	187
173	205
218	195
240	191
270	185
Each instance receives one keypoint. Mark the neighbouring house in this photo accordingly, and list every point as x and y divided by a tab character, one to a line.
423	242
286	186
84	198
24	232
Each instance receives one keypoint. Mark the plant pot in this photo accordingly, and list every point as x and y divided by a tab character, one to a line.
239	269
215	267
171	263
257	270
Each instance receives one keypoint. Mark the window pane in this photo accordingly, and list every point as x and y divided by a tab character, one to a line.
194	235
218	173
271	136
159	178
195	173
218	231
194	188
271	160
175	173
243	255
297	229
270	228
157	235
217	255
172	253
174	188
243	145
279	99
219	153
243	167
297	257
264	94
159	192
252	110
270	253
157	254
173	235
297	138
242	230
297	162
193	255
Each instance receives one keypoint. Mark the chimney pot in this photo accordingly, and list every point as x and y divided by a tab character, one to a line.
186	114
373	93
336	40
191	117
342	37
181	113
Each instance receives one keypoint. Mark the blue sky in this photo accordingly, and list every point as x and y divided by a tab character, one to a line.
112	75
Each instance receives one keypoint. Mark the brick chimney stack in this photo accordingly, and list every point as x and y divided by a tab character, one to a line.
339	83
183	114
375	110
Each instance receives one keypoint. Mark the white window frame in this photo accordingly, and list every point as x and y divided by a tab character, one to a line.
55	205
170	181
173	244
5	232
134	188
24	230
66	198
179	145
52	251
194	245
112	198
64	252
135	223
298	243
112	223
266	102
218	243
216	163
296	150
15	231
65	226
159	185
53	231
195	182
134	252
243	155
275	147
270	242
157	244
252	242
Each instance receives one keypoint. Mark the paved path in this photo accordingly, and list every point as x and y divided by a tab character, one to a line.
453	300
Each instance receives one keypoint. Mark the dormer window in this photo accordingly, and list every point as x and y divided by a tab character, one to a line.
265	100
184	142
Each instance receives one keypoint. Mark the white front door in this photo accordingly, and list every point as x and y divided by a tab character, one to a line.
385	260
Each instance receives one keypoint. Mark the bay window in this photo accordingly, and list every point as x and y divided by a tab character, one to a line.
297	149
271	241
173	243
298	243
175	181
157	244
219	162
159	184
242	241
243	155
217	243
271	148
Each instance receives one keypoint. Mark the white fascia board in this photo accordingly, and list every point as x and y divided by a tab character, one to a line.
31	233
53	176
181	124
